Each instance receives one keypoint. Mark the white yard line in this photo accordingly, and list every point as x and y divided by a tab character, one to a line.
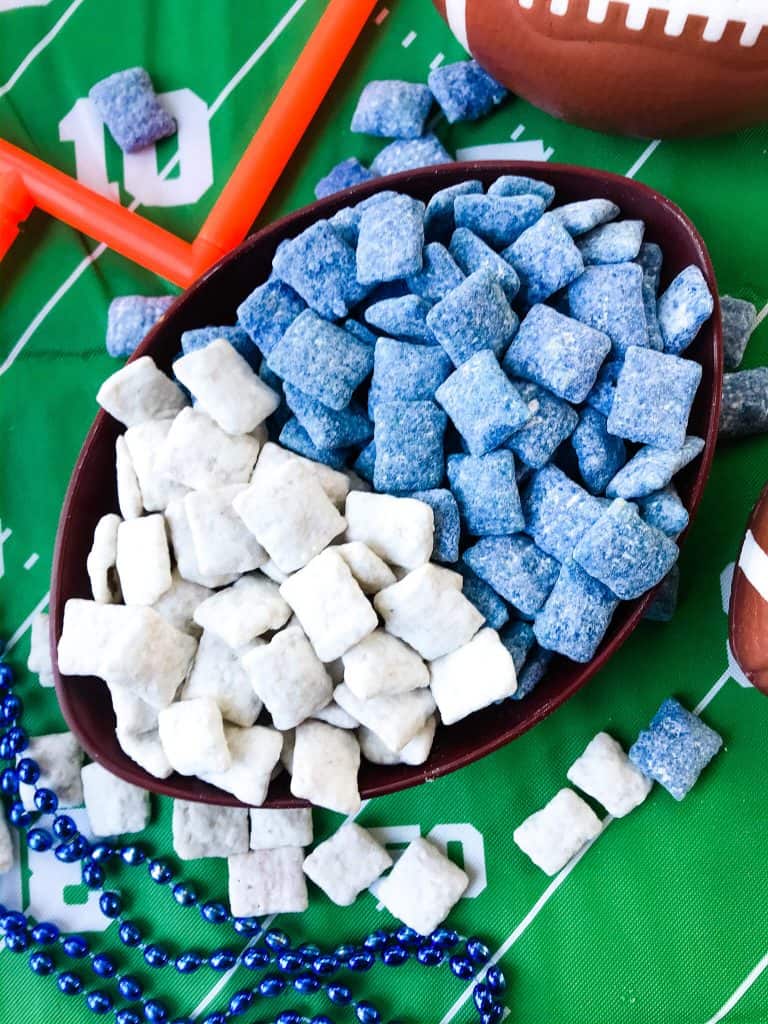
14	639
436	61
408	40
41	45
710	695
33	559
741	991
644	156
762	315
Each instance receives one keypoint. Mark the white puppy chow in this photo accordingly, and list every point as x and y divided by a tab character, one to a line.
289	514
427	610
199	454
370	571
192	734
223	543
556	833
132	714
288	677
399	530
248	608
605	773
334	483
472	677
332	609
415	752
114	807
183	547
101	562
335	669
204	830
217	673
146	750
275	828
6	847
59	758
177	605
139	392
325	766
39	660
143	559
347	863
254	753
383	666
422	887
396	719
129	498
145	445
226	387
267	882
333	714
273	571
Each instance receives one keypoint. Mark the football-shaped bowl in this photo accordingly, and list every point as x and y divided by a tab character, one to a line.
652	68
213	300
748	612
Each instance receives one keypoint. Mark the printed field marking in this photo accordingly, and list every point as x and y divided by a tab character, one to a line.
762	315
408	40
14	639
436	61
517	132
4	535
647	153
41	45
381	16
741	991
33	559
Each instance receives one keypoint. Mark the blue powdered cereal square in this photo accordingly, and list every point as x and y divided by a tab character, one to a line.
471	253
344	175
519	640
664	510
552	421
346	222
294	437
405	372
557	352
320	266
239	339
533	671
519	185
404	317
360	331
610	299
485	489
498	220
516	569
650	258
558	512
650	469
447	525
581	217
126	102
439	221
365	462
465	91
653	398
601	395
675	748
739	321
439	274
545	259
329	428
576	616
130	319
268	312
624	552
683	308
390	241
493	609
270	378
408	154
612	243
599	454
664	604
482	402
392	109
745	403
409	446
473	317
322	360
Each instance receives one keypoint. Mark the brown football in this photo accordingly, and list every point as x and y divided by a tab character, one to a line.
748	615
652	68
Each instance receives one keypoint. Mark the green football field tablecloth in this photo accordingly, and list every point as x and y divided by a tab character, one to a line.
665	919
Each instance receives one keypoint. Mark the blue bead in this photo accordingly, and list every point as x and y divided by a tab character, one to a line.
16	741
155	1012
6	673
110	904
133	856
67	853
69	984
93	874
408	937
184	895
64	827
103	966
445	938
46	800
160	872
290	962
325	964
240	1002
19	816
17	942
9	781
307	984
271	985
182	1020
222	959
214	913
99	1002
29	771
288	1017
495	980
430	955
339	994
367	1014
478	951
394	956
13	921
246	925
41	964
462	967
188	963
76	946
361	960
308	951
376	940
276	939
127	1017
45	933
11	708
483	997
129	934
493	1015
102	852
7	753
345	951
39	839
130	988
155	956
215	1018
255	959
320	1018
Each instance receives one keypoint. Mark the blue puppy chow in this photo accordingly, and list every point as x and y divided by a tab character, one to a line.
516	569
447	526
365	462
483	404
390	241
270	378
612	243
404	317
650	258
126	102
683	308
392	109
322	360
130	318
409	446
320	266
739	321
239	339
408	154
601	395
664	510
360	331
294	437
519	640
471	253
664	604
519	185
675	748
486	492
545	259
610	299
650	469
581	217
464	90
498	220
346	222
552	421
493	609
558	512
744	409
406	372
329	428
439	221
268	312
349	172
576	615
439	274
473	317
533	671
600	455
557	352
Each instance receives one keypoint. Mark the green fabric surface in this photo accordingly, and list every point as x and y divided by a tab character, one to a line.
664	920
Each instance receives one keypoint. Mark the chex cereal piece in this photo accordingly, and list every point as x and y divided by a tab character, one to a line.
739	321
407	154
370	571
557	352
576	615
345	174
138	392
610	299
439	274
413	753
328	428
398	530
365	462
484	660
347	863
545	259
6	848
59	758
422	887
146	750
102	559
473	317
114	807
325	765
653	398
599	453
533	671
360	331
395	718
272	829
492	607
406	372
683	308
333	713
675	748
465	91
427	610
289	677
497	220
651	258
183	547
612	243
601	395
486	492
217	673
295	438
472	253
580	217
143	560
237	337
267	882
556	833
650	469
127	103
744	409
132	714
516	569
129	498
402	317
447	526
320	267
381	665
519	640
268	312
664	510
254	753
130	318
192	734
392	109
557	512
39	660
605	773
551	421
439	220
664	604
145	444
203	830
346	223
250	607
223	543
409	446
199	454
390	240
519	185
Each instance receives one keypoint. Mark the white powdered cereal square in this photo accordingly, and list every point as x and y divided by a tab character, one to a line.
184	549
143	559
382	666
132	714
102	560
267	882
325	766
254	753
247	609
192	734
347	863
114	807
177	605
274	828
335	715
334	483
39	660
422	887
330	605
396	720
139	392
370	571
472	677
60	758
415	752
558	831
289	677
6	847
605	773
204	830
223	543
145	445
399	530
147	751
274	572
217	673
129	498
200	455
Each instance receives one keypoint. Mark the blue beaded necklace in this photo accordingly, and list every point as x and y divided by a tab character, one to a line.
305	969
